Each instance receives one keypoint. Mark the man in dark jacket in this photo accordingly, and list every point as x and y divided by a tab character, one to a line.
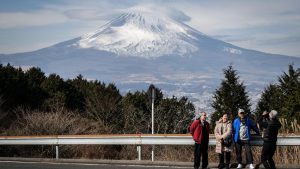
241	135
200	132
271	125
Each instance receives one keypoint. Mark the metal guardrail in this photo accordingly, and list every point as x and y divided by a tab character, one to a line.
127	139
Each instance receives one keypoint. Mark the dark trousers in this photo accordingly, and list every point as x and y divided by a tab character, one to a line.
221	159
267	153
201	149
239	146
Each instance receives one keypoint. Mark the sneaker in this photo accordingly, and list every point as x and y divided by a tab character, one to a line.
251	166
240	166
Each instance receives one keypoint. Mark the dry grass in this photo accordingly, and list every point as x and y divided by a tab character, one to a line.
61	121
58	122
284	154
289	127
54	123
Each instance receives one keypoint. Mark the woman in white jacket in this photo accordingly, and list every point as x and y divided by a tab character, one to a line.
223	133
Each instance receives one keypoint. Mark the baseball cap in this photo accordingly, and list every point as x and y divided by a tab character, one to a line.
241	110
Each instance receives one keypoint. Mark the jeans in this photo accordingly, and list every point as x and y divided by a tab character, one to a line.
238	147
201	149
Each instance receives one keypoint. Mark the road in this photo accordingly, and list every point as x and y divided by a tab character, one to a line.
52	165
49	165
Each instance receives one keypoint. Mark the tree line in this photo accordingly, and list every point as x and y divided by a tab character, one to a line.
31	91
96	101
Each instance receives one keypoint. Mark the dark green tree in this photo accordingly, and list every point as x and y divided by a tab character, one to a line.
54	86
284	96
13	87
103	103
36	95
74	97
78	92
137	113
290	86
19	88
35	76
230	96
271	99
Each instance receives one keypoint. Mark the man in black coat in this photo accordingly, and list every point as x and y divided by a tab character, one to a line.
271	125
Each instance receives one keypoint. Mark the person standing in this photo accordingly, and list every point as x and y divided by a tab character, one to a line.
270	125
199	129
223	133
241	136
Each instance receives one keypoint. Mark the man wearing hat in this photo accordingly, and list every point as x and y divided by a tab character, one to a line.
241	135
199	129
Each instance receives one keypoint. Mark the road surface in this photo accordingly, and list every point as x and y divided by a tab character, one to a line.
49	165
53	165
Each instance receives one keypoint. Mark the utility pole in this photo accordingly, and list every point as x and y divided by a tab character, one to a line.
153	120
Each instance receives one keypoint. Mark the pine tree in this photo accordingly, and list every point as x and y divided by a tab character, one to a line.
271	99
283	96
35	95
230	96
290	87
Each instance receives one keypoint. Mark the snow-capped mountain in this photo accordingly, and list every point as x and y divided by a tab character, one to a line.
142	35
139	48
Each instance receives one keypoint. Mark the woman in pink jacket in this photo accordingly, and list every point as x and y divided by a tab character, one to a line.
223	133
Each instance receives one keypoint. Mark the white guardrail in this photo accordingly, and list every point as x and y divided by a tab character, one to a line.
127	139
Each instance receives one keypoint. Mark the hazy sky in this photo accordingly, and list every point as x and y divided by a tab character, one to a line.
271	26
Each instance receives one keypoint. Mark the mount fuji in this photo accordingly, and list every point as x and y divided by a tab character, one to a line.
138	48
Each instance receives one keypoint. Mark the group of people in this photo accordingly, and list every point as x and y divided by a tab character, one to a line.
236	134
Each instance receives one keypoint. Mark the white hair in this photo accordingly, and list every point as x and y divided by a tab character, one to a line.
273	114
202	113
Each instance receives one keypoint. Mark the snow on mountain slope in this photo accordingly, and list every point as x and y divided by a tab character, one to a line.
142	34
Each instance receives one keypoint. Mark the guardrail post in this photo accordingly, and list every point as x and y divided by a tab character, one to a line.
139	150
56	152
152	152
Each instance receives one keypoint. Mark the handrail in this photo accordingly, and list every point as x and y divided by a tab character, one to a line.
127	139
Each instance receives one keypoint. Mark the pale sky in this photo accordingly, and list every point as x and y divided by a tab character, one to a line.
271	26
